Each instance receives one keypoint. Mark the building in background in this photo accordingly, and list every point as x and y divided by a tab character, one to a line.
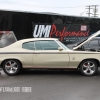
68	29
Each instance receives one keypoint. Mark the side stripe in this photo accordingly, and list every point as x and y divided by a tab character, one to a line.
46	53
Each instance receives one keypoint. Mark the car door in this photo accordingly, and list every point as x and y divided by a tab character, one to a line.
28	54
47	55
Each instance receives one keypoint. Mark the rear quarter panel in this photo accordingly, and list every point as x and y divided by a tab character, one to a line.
23	55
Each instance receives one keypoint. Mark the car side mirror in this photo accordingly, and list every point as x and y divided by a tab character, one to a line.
60	48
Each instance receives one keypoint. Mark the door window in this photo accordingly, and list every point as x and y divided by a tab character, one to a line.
46	45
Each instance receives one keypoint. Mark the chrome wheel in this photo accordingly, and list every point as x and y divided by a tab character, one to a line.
11	67
89	67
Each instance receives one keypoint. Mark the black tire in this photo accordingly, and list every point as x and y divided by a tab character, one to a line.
88	67
11	67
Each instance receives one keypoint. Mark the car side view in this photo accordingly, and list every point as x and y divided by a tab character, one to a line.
48	53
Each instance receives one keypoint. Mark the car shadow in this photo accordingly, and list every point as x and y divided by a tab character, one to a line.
49	72
45	72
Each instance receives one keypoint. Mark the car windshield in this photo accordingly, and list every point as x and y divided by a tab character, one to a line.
62	45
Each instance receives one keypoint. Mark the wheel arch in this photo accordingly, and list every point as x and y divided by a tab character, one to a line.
11	59
96	60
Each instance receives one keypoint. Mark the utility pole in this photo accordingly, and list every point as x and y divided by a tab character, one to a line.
94	8
89	8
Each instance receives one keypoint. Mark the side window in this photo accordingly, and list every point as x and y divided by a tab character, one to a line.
93	43
46	45
28	45
38	45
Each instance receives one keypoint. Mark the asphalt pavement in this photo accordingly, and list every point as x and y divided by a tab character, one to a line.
49	85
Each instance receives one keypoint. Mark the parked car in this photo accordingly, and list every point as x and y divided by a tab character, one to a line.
48	53
93	45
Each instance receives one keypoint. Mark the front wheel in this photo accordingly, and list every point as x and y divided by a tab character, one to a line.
11	67
88	67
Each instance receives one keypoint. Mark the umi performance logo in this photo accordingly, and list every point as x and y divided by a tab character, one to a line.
41	31
59	31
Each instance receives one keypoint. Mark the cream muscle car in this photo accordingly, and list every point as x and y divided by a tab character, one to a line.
48	53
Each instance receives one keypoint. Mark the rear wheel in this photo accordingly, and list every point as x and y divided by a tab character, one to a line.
88	67
11	67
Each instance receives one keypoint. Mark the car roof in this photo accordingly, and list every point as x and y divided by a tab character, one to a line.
34	39
20	42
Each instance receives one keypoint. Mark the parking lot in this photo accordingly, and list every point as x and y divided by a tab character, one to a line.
50	85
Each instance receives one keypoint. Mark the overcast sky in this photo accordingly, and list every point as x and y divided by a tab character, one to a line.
66	7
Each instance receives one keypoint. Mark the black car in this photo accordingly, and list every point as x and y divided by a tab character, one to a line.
92	45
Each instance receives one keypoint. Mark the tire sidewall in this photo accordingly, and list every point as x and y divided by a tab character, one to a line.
12	74
96	68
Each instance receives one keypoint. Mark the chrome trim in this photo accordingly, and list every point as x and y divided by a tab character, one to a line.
38	51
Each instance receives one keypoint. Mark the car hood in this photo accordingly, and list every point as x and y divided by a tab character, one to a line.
88	39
